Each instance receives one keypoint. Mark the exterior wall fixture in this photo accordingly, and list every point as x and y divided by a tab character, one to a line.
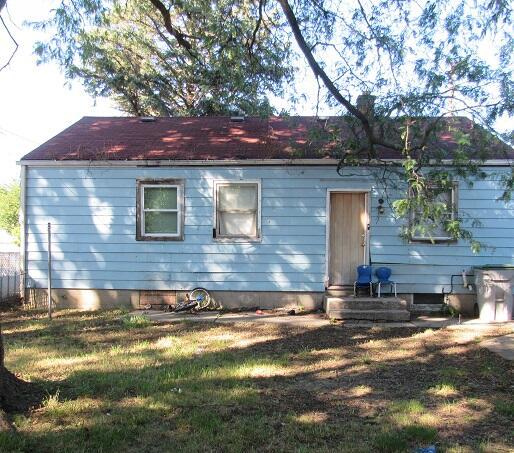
380	207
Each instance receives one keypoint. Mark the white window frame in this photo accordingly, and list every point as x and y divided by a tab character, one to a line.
236	238
454	212
141	223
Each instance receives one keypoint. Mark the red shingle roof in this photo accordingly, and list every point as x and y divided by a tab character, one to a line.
201	138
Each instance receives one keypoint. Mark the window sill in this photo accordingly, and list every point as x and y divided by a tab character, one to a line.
160	238
238	240
433	240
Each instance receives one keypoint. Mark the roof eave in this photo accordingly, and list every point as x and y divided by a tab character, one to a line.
227	163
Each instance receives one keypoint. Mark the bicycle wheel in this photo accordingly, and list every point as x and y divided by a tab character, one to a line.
201	296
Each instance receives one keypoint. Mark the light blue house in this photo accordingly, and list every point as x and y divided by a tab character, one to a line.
148	208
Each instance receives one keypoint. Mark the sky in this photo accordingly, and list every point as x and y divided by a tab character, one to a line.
36	102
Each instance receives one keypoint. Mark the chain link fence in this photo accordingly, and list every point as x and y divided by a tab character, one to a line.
11	278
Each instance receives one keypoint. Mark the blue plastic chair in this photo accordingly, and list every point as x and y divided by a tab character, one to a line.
364	279
383	274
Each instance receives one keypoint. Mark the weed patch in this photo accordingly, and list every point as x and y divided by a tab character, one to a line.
505	408
443	390
135	321
405	439
390	442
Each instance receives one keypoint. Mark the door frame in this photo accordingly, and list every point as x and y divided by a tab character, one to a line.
367	208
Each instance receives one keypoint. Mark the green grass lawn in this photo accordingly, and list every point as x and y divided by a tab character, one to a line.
116	383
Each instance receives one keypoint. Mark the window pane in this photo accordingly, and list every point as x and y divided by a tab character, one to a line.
444	197
160	198
237	196
237	224
161	222
433	228
435	231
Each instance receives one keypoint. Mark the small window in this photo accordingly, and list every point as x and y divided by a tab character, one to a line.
160	210
237	210
436	231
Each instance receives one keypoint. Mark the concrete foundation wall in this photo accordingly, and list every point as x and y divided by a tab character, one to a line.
95	299
463	303
91	299
269	299
409	297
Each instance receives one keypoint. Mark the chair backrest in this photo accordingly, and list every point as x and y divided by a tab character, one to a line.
383	274
364	274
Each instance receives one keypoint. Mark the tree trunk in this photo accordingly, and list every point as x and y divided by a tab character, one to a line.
16	395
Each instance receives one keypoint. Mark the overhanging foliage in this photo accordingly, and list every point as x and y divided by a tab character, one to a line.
426	67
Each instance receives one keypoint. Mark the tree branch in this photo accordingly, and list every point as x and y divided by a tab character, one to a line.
318	70
377	39
257	26
10	35
175	32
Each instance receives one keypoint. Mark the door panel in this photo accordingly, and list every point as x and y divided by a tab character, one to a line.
347	241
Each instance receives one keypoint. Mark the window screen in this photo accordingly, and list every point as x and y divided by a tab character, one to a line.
237	206
160	210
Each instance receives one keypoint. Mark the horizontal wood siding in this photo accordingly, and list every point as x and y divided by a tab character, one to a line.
92	211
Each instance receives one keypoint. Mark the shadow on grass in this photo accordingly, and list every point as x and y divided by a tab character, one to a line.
302	390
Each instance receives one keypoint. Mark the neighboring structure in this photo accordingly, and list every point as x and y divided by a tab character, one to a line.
253	210
10	276
7	243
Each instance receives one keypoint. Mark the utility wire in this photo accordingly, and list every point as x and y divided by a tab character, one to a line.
14	134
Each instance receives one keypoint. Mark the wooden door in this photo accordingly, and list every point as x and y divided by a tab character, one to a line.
348	234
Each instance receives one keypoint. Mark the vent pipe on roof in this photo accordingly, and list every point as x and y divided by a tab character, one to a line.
366	104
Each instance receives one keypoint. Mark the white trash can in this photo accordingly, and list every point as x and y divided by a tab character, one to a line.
494	292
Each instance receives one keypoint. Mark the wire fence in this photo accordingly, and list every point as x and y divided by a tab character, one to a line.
11	278
35	298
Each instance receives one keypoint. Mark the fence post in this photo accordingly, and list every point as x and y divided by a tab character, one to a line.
49	270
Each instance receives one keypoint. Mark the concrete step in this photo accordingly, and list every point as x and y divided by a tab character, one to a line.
422	309
370	315
339	291
364	303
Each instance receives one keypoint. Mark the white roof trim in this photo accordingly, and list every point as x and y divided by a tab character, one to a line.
175	163
223	163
